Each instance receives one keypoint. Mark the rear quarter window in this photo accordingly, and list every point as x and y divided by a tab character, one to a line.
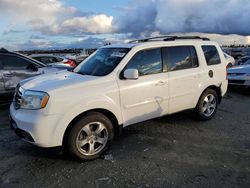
211	54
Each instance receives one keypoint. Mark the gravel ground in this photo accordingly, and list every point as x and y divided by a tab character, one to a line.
172	151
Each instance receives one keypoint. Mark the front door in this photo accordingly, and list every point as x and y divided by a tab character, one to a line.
146	97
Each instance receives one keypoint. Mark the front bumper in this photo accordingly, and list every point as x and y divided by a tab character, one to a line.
35	127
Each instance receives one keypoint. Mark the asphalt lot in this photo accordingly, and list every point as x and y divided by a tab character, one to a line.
172	151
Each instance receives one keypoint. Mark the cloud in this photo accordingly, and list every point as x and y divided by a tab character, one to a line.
38	37
41	44
168	16
92	24
11	31
47	11
45	19
52	17
90	42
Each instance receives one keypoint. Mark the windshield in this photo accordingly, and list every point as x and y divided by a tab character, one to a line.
102	62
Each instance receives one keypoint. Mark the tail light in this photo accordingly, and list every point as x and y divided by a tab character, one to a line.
70	63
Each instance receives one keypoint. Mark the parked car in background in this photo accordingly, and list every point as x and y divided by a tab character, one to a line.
15	67
230	60
243	60
117	86
240	75
52	59
78	58
237	53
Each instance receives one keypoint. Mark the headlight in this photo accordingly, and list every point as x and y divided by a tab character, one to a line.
34	100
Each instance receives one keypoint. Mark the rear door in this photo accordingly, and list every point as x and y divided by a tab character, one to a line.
16	69
184	76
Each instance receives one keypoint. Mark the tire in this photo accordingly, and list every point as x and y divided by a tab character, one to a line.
229	65
207	105
89	137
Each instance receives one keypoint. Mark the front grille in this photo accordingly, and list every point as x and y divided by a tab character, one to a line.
236	81
18	97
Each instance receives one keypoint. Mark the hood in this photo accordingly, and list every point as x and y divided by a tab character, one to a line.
240	69
55	80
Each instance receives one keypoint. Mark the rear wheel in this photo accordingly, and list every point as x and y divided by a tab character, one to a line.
207	105
90	136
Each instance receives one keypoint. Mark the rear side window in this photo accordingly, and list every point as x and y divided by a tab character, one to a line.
181	57
13	62
211	55
146	62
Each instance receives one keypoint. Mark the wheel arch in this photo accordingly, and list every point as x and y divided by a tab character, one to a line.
107	113
217	89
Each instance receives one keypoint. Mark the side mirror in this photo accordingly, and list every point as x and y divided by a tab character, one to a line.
131	74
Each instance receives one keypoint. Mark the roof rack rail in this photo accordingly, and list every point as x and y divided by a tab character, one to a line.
170	38
186	37
151	38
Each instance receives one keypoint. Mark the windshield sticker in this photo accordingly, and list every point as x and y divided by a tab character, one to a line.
117	54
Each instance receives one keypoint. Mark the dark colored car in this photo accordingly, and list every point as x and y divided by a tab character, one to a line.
15	67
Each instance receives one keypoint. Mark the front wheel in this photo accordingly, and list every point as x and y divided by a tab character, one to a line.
207	105
90	136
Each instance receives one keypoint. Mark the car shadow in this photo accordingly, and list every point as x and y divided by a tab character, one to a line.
239	90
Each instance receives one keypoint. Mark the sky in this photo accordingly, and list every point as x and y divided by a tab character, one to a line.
59	24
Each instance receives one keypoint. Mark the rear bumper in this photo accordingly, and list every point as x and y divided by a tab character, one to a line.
239	82
223	87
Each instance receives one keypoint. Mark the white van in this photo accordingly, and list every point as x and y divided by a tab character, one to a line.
117	86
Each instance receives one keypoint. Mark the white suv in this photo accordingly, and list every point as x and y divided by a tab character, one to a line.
117	86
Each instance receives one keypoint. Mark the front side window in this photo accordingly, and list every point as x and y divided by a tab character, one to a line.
211	55
10	62
181	57
102	62
146	62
